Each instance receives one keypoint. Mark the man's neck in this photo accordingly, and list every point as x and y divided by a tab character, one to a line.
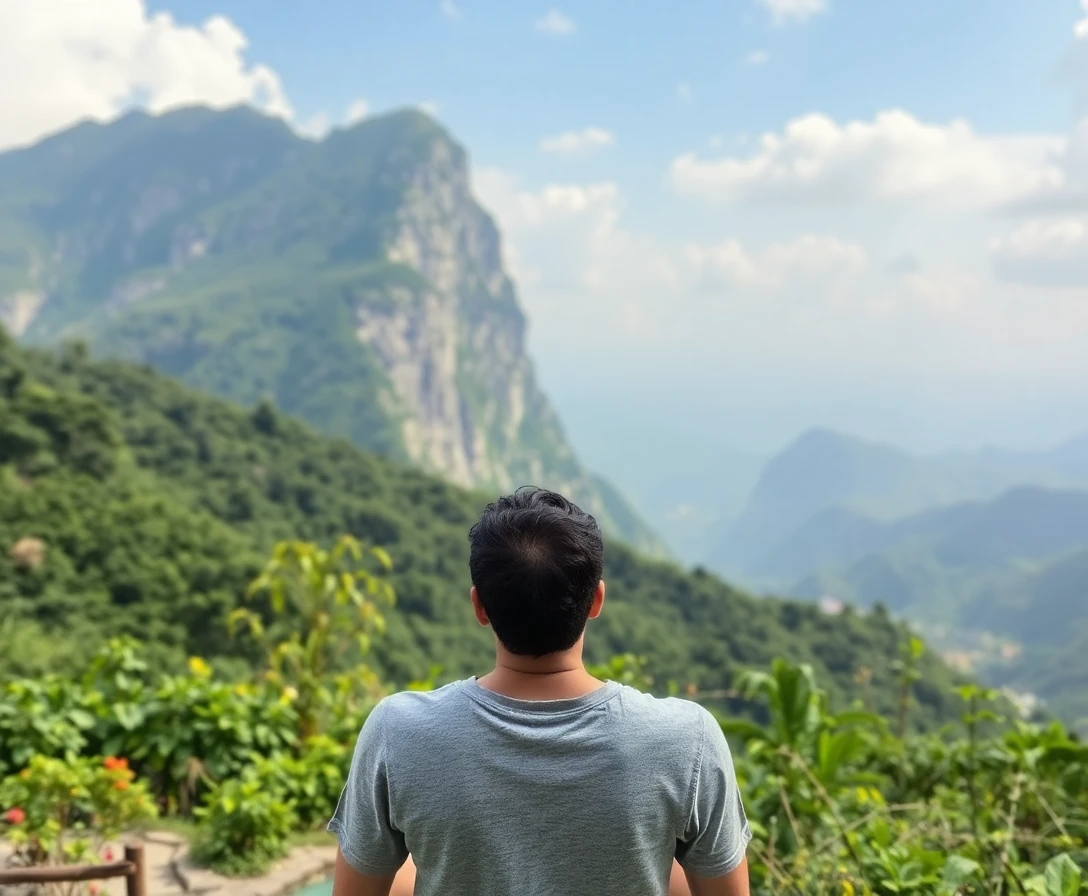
558	676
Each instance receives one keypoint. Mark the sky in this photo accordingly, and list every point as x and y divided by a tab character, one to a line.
729	220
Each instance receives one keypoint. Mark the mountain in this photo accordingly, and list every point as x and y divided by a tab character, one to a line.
827	489
131	504
1025	523
353	281
1044	606
960	564
1010	575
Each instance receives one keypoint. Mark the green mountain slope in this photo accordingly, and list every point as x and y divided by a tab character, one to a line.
355	282
150	506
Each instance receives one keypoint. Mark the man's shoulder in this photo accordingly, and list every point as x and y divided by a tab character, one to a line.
676	707
410	709
674	714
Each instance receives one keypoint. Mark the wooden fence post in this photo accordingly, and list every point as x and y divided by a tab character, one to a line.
136	883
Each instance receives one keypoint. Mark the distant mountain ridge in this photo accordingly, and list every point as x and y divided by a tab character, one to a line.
827	485
1026	522
355	281
914	565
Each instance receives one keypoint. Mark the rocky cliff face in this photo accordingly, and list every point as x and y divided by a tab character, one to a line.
356	282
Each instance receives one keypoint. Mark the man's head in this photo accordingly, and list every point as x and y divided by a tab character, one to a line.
536	564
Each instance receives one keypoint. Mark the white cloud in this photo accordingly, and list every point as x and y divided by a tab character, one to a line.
574	260
904	265
811	259
1069	192
450	9
684	93
430	107
1080	29
1044	253
758	57
942	293
785	11
573	142
557	236
356	111
91	60
643	311
893	157
315	127
556	23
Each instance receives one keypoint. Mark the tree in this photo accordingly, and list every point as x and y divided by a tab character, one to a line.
327	605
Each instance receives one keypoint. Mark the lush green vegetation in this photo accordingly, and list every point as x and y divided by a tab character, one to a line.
130	504
838	803
225	250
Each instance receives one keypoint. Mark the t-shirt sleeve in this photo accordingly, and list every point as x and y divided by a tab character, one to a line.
717	832
370	842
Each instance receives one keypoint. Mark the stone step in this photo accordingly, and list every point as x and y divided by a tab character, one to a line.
171	873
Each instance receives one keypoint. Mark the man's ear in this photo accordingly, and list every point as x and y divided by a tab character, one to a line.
477	607
598	601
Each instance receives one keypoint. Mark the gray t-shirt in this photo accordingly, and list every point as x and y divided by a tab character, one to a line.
492	796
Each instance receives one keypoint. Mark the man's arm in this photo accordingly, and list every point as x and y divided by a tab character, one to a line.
735	883
349	882
710	852
372	849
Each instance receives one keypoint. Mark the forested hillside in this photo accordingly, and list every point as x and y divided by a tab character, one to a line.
132	504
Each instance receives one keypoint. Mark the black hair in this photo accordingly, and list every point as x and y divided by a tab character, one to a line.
536	560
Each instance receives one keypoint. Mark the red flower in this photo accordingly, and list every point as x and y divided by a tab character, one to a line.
15	816
113	763
107	854
120	784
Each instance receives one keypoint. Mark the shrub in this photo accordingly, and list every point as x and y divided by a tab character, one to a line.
58	811
310	782
243	828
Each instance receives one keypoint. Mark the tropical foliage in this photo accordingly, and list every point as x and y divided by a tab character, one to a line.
838	803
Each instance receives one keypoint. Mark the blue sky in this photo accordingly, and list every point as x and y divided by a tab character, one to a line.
501	85
882	226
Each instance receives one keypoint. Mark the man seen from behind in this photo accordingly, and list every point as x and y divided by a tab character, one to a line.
538	779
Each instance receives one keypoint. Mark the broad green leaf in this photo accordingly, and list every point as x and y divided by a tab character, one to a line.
959	870
1062	876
